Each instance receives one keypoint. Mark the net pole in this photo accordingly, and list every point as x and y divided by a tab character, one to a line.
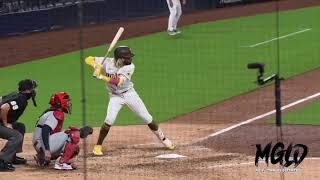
278	86
82	83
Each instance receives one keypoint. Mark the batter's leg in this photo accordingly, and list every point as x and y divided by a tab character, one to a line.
160	135
135	103
104	130
114	106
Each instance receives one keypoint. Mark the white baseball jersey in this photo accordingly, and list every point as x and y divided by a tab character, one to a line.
123	94
111	69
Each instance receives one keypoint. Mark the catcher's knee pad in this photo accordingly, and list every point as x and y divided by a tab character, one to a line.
71	148
70	151
74	135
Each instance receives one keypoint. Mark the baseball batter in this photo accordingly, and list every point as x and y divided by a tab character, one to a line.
50	142
175	14
117	73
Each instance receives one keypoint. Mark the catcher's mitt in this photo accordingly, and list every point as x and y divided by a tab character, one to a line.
85	131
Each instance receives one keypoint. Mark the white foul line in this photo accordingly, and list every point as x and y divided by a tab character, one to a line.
261	116
249	120
281	37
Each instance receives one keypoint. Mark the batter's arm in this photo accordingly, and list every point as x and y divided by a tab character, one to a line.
99	72
113	79
96	63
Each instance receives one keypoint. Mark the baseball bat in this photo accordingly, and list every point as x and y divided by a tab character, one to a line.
113	43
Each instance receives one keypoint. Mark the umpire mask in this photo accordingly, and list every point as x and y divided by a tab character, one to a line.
30	85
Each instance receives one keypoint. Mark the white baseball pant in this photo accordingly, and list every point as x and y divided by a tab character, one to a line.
132	100
175	13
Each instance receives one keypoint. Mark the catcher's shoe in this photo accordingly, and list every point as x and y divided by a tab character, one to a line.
62	166
97	150
168	144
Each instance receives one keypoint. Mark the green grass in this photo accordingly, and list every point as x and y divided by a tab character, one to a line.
205	65
307	115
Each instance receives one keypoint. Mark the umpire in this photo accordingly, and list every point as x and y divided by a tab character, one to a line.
12	107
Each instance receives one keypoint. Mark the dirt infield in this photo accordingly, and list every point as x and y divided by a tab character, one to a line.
130	154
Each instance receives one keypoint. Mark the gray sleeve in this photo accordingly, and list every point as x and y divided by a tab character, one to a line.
51	121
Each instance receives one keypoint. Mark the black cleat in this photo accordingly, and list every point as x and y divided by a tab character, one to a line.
6	167
19	160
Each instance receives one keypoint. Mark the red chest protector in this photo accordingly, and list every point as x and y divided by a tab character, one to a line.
60	118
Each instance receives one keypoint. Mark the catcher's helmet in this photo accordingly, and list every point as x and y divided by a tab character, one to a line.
123	52
61	100
27	84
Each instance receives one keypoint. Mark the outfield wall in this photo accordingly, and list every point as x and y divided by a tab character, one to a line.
226	3
93	12
96	12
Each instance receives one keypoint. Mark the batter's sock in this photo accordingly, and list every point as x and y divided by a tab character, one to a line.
103	133
159	134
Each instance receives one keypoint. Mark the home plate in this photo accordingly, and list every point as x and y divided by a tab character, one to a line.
170	156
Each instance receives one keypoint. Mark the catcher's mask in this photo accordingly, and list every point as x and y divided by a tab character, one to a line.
61	100
123	52
28	88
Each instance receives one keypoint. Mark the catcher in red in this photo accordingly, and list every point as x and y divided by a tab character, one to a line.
50	142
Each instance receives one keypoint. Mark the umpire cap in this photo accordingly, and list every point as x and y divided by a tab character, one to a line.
123	52
27	84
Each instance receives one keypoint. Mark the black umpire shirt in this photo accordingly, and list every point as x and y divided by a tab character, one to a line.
18	103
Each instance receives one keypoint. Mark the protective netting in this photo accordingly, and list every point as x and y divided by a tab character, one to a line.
202	103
